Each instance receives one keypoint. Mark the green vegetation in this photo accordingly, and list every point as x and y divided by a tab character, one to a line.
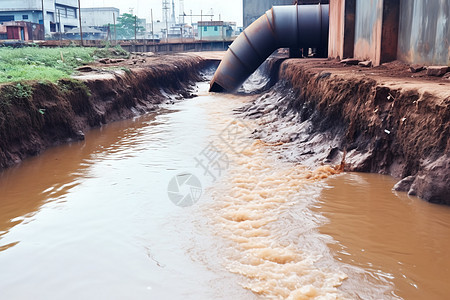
125	26
33	63
109	51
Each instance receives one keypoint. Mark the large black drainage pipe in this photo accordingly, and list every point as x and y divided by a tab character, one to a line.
291	26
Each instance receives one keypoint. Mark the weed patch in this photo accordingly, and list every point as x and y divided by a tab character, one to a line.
33	63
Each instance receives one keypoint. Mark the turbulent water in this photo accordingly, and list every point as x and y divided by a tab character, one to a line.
97	219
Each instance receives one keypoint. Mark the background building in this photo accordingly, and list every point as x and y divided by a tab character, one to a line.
59	14
99	16
215	30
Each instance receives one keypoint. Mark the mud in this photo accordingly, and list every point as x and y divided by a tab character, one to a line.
371	121
37	115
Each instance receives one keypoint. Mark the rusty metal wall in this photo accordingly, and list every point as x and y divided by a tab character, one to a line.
368	22
336	37
424	32
342	29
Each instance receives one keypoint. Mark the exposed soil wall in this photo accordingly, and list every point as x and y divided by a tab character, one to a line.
37	115
383	125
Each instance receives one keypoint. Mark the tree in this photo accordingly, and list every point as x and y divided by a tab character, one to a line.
125	26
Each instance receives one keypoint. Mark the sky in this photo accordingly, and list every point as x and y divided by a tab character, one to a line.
229	10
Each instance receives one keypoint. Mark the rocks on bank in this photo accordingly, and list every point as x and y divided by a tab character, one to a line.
39	114
373	120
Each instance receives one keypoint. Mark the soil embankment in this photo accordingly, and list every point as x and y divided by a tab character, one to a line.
39	114
377	120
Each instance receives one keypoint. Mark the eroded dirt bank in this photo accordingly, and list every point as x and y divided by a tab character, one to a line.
37	115
320	112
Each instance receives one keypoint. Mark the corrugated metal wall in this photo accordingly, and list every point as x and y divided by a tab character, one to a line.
424	32
342	29
368	21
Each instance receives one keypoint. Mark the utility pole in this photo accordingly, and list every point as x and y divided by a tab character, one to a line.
79	19
223	37
201	29
182	14
173	12
43	17
135	32
59	26
153	35
115	32
181	32
108	34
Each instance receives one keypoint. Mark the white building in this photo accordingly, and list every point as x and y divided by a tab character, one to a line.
59	14
99	16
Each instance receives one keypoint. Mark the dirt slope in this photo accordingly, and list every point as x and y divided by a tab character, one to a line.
37	115
382	119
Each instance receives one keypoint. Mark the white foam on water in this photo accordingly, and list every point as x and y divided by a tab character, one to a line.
260	208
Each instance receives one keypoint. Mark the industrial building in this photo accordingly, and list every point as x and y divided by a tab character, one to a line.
215	30
60	15
99	16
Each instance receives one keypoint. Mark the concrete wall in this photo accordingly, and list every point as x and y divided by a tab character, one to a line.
424	32
72	3
33	17
178	47
11	5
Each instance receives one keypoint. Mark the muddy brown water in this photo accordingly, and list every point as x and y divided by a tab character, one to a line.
93	219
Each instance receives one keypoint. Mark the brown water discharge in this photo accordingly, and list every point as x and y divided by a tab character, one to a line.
261	207
290	235
397	239
93	219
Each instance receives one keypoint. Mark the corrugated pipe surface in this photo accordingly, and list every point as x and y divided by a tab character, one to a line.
292	26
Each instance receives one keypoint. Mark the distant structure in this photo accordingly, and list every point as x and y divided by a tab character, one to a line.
173	12
182	13
253	9
216	30
165	11
99	16
89	33
21	31
59	15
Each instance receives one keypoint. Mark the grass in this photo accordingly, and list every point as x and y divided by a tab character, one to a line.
33	63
